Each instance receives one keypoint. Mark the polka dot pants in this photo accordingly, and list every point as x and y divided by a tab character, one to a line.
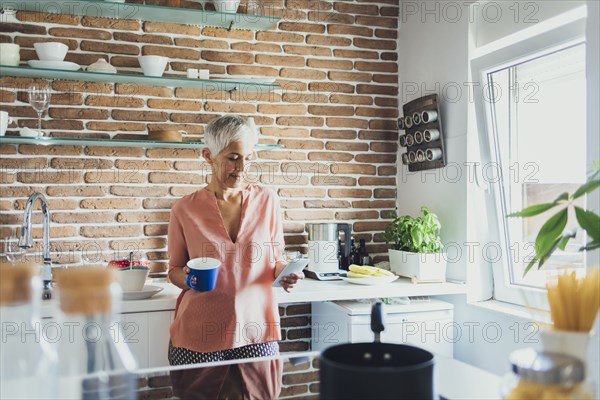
181	356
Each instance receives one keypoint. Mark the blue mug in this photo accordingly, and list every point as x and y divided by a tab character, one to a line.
203	274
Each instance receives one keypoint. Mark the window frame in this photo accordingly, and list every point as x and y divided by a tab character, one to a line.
547	42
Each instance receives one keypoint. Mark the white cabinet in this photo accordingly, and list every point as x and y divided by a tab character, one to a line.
158	337
147	335
423	324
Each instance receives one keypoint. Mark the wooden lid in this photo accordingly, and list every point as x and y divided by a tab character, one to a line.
16	282
85	290
166	135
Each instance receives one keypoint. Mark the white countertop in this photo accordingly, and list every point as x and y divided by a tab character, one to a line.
308	290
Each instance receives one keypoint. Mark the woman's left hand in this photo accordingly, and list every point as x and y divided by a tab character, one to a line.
288	282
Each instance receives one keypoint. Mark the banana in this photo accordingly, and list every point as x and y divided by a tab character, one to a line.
362	269
352	274
369	270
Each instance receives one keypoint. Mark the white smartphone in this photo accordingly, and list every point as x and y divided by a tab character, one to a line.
293	267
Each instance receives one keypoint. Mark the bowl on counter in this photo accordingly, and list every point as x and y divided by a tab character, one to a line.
131	277
51	51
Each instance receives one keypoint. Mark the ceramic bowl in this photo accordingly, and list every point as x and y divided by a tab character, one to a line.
153	65
29	132
51	51
132	280
226	6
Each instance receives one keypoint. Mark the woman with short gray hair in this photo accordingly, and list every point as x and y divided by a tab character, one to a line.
239	224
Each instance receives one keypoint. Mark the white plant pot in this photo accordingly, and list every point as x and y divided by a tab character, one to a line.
566	342
421	267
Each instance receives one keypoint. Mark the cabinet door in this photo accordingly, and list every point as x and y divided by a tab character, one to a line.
134	332
159	323
429	330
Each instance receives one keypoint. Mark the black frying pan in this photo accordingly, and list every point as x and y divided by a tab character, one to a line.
376	370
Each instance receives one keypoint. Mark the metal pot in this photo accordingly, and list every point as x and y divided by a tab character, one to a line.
376	370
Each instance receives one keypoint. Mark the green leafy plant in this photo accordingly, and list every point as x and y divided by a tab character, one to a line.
417	235
552	234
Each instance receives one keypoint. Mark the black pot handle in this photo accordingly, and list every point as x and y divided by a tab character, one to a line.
377	320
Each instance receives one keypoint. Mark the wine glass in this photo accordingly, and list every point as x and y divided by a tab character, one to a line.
39	99
11	251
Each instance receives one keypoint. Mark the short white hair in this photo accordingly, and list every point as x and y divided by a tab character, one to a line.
222	131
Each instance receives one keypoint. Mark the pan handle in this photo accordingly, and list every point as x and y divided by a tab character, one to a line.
377	320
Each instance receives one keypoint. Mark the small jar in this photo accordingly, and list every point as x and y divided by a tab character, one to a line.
537	375
95	361
28	362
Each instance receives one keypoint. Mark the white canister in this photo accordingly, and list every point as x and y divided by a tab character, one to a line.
5	120
10	54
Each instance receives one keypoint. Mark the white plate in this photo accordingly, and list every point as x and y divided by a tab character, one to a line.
147	292
246	78
64	65
374	280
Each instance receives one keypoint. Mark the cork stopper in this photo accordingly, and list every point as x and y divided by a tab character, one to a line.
15	282
85	290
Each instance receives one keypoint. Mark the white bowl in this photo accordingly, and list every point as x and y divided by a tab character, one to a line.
226	6
153	65
25	131
132	280
51	51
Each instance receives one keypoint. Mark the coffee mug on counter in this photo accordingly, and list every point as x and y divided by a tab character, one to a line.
203	274
10	54
5	120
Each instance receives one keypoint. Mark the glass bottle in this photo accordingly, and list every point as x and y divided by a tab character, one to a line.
352	255
363	256
28	363
95	361
539	375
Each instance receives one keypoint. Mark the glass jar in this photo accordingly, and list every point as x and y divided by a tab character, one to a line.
28	363
95	362
538	375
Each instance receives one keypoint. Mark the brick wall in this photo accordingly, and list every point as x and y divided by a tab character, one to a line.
335	113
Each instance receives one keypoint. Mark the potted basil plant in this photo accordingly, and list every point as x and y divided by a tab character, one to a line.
416	247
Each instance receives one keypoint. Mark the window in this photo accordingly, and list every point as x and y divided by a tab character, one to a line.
537	117
531	128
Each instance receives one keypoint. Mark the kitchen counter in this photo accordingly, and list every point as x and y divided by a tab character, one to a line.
306	291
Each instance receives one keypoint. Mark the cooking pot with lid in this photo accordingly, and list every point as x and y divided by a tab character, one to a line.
376	370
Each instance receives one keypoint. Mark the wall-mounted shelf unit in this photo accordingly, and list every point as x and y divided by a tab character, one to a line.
424	137
148	144
108	9
210	84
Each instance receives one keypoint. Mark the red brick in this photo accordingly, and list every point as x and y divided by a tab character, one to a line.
349	30
145	38
347	123
329	156
354	54
373	44
333	134
280	61
377	21
370	181
228	57
307	50
328	41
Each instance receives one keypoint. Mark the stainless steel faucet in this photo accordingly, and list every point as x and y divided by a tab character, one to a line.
26	242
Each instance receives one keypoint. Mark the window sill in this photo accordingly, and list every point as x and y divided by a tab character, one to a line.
513	310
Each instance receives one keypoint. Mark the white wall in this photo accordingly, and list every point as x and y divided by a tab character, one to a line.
433	53
433	58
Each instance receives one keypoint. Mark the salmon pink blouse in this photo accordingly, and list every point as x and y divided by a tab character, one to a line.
241	310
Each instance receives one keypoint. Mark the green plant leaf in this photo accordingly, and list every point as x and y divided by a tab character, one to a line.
589	221
563	197
548	254
566	237
528	267
533	210
587	187
550	233
590	246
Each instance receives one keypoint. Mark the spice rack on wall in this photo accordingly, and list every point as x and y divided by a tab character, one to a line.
423	137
